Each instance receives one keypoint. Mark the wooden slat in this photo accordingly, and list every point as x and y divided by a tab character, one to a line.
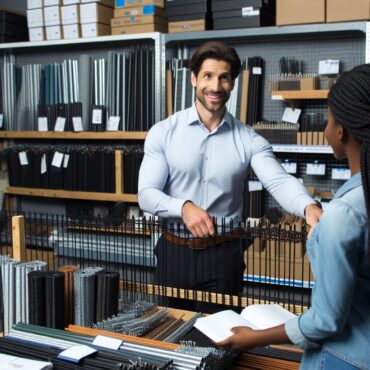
19	238
114	135
118	165
65	194
301	94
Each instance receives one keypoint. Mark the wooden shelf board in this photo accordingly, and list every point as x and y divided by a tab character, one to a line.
299	94
66	194
116	135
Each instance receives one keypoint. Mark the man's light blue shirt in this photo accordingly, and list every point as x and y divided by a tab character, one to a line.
184	161
339	318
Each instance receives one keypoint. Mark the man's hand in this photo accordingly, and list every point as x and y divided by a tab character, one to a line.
243	338
197	220
313	214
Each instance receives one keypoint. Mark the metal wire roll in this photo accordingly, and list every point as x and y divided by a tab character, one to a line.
68	271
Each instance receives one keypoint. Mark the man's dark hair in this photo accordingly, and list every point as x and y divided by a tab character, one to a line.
216	50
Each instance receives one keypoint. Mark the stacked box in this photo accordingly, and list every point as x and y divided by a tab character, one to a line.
189	15
13	27
139	16
243	13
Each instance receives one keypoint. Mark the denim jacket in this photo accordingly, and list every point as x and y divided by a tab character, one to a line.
339	318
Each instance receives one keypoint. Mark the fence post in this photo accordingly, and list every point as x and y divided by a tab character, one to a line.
19	238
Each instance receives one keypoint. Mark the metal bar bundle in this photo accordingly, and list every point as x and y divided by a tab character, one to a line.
68	272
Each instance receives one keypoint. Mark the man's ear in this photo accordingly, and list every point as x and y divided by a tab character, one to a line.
193	79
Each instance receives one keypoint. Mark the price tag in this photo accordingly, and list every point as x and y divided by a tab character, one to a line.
66	160
315	169
23	158
43	164
97	117
77	124
291	115
341	174
113	123
257	71
249	11
254	185
290	167
107	342
76	353
42	124
57	159
60	124
1	120
329	67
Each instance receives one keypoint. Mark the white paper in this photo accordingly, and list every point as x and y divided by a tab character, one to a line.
329	67
97	116
218	326
315	169
249	11
42	123
59	124
257	71
43	164
23	158
9	362
77	124
290	167
66	160
340	173
76	353
1	120
255	185
57	159
107	342
291	115
113	123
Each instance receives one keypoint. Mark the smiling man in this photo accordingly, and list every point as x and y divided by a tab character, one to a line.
195	169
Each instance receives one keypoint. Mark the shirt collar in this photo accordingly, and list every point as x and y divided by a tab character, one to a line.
193	117
351	183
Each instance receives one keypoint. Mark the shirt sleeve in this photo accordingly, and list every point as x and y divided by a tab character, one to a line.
336	244
153	176
285	188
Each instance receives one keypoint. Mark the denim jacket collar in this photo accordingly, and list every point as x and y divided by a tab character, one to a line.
351	183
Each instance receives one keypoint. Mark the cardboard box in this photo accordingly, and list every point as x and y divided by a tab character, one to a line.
344	10
54	32
141	10
37	34
187	26
35	18
70	14
109	3
34	4
300	11
52	16
71	2
136	20
131	3
95	13
52	2
187	9
221	5
143	28
94	30
71	31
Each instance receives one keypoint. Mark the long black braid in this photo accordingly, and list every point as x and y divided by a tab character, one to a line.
349	101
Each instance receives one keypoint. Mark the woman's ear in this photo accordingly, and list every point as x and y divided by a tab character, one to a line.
342	133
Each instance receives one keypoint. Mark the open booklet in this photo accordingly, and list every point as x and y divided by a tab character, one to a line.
260	316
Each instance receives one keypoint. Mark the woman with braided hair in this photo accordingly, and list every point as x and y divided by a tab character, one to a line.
335	331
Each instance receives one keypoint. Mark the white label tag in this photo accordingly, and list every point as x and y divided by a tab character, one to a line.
59	124
315	169
57	159
113	123
248	11
329	67
42	124
277	97
107	342
43	164
97	117
1	120
255	185
66	160
257	70
341	173
290	167
76	353
291	115
23	158
77	124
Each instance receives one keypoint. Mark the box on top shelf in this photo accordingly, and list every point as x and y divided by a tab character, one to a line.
136	3
52	16
221	5
344	10
136	20
54	32
188	26
142	28
71	31
94	30
37	34
70	14
109	3
300	12
34	4
52	2
71	2
95	13
35	18
140	10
